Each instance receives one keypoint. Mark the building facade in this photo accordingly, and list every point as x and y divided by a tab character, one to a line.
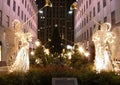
98	10
20	10
59	15
90	14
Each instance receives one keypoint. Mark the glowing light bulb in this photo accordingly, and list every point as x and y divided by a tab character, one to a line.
47	51
87	54
32	53
81	49
37	43
69	55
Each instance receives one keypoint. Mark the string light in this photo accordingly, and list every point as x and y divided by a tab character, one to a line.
37	43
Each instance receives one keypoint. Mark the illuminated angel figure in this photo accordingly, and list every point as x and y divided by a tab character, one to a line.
102	39
21	63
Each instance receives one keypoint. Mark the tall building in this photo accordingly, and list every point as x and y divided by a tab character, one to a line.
100	11
10	10
59	15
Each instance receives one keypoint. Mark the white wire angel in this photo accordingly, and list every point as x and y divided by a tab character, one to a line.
21	63
102	40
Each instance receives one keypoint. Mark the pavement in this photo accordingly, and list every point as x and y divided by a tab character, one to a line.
3	67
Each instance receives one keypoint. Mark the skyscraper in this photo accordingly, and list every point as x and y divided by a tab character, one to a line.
92	12
59	15
11	10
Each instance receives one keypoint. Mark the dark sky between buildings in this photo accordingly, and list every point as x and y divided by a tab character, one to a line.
41	3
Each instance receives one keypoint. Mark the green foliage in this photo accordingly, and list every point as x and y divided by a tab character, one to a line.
44	75
78	67
55	44
40	54
77	60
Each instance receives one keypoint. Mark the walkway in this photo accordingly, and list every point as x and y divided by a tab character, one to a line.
3	67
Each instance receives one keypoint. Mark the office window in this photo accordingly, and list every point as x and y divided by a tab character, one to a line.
14	6
98	6
93	11
94	26
113	18
84	21
18	10
82	1
105	19
87	19
28	7
86	4
89	2
7	20
90	15
0	17
90	31
104	3
82	11
25	18
8	2
22	15
87	34
84	8
99	26
0	50
23	1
